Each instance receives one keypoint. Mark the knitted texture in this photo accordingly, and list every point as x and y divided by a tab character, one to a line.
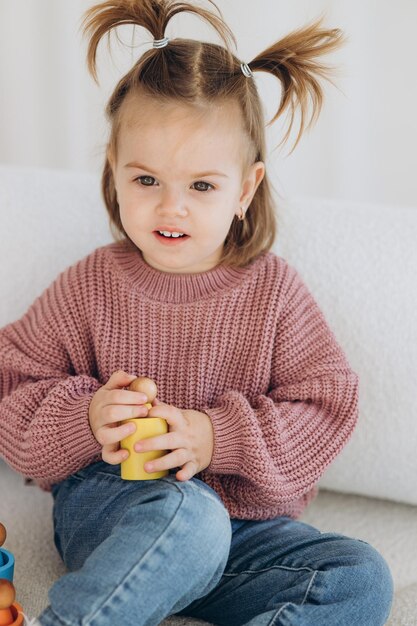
247	346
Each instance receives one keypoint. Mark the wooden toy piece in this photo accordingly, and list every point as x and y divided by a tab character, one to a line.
6	557
3	534
11	613
147	386
7	597
133	467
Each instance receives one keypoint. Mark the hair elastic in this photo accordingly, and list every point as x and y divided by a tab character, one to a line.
246	70
160	43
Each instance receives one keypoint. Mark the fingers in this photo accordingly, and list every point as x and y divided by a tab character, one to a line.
160	409
169	461
114	434
172	414
176	458
112	413
124	396
187	471
111	405
114	455
118	410
116	383
167	441
119	404
118	380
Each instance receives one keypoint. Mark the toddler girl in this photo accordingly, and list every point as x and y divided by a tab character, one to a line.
257	393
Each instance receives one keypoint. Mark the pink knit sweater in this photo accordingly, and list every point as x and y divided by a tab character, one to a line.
249	347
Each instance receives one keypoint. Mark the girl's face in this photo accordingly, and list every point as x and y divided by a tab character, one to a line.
181	169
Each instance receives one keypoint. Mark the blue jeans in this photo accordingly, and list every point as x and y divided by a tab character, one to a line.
139	551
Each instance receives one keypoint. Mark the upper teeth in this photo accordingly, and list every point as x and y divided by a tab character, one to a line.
168	234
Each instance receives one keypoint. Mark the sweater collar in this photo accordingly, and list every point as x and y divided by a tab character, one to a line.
171	287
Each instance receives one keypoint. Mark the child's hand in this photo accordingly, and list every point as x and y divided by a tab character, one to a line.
112	404
190	439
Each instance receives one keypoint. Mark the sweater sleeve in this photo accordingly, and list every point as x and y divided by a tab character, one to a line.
274	449
46	385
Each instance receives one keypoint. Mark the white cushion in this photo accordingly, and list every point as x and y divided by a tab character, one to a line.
360	262
49	219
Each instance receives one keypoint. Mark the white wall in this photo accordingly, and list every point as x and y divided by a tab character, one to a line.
362	148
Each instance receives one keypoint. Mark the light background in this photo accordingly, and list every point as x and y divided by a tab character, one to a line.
362	147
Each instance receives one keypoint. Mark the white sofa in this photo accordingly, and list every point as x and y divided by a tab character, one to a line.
359	261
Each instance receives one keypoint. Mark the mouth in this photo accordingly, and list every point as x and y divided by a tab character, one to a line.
170	241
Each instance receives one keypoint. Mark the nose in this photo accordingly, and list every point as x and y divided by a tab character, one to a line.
172	203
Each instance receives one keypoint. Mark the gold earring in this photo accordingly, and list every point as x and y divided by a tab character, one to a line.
241	217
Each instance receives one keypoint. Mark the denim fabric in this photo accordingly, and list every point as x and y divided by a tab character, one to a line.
139	551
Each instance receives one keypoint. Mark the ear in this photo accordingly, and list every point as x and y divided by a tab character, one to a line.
251	183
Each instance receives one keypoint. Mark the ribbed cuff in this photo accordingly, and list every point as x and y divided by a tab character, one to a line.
77	437
71	444
229	451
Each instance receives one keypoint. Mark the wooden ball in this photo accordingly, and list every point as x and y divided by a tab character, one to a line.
2	534
7	593
144	385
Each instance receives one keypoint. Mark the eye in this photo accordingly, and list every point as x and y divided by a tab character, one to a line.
144	181
201	182
146	177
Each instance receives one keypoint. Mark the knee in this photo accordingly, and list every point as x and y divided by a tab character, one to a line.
370	582
206	521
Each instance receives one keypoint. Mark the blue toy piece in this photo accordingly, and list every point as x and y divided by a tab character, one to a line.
7	564
6	557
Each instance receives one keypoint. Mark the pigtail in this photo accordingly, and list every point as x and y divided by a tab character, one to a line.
293	61
153	15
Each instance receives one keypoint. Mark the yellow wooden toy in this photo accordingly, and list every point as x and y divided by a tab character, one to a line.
133	467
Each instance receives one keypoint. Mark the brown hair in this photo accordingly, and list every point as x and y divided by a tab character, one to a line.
199	73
